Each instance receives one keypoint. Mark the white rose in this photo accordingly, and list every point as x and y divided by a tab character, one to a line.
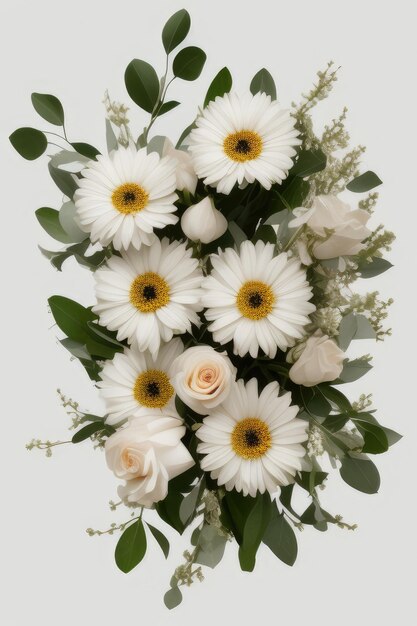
203	222
147	453
320	361
329	212
186	176
202	378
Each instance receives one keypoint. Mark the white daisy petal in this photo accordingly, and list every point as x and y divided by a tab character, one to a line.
140	297
256	299
247	452
243	139
122	197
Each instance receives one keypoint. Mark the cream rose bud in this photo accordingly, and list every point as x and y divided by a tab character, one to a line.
203	222
203	378
147	453
348	226
320	361
186	176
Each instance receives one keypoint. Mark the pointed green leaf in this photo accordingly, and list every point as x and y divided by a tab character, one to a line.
263	82
49	220
63	180
92	429
111	139
86	150
221	84
361	474
253	532
142	84
280	539
353	370
365	182
375	439
131	547
160	538
189	63
168	106
309	162
48	107
28	142
175	30
376	267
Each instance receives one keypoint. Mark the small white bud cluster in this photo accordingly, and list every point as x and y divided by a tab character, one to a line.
315	442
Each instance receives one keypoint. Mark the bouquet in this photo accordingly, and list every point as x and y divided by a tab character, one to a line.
224	308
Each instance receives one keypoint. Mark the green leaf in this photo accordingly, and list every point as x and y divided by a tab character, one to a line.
374	268
333	423
172	598
361	474
185	134
392	436
28	142
76	348
263	82
237	233
71	317
160	538
318	405
169	510
265	233
104	334
375	439
365	182
142	84
280	539
189	504
131	547
306	480
69	222
309	162
167	106
189	63
336	397
221	84
111	139
253	532
353	370
49	220
211	546
86	150
91	429
175	30
48	107
364	329
347	329
63	180
295	191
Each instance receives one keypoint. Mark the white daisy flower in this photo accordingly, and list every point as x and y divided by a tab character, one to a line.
253	442
240	140
135	383
257	299
148	297
122	197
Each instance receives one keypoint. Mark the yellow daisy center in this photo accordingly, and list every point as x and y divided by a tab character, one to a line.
149	292
244	145
255	299
251	438
153	389
129	198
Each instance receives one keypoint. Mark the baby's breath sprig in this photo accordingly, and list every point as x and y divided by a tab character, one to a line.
45	445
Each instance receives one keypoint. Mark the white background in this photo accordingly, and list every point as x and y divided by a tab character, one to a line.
53	572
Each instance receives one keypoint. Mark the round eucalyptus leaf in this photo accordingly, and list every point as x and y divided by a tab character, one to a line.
29	142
